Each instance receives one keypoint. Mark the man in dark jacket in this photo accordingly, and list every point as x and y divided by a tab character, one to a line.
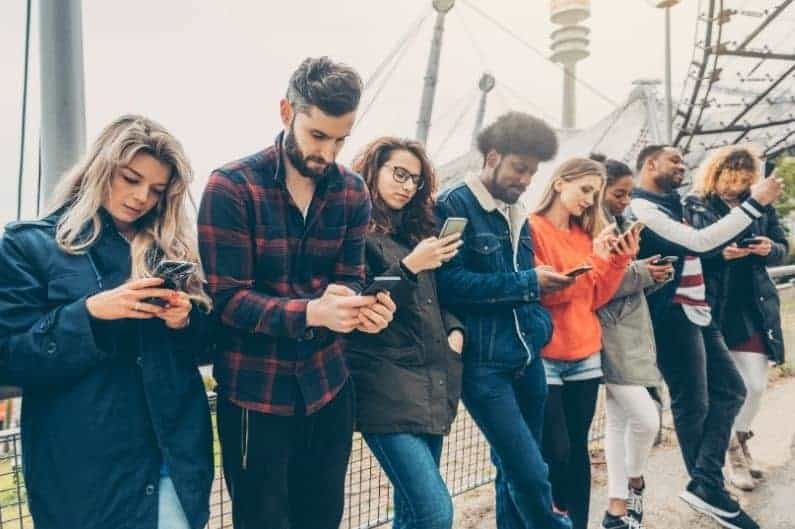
493	287
706	389
282	240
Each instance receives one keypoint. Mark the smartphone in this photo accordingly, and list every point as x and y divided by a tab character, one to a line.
578	270
668	259
636	226
745	243
453	225
174	275
770	166
381	284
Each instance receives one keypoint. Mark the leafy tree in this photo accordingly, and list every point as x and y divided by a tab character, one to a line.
785	168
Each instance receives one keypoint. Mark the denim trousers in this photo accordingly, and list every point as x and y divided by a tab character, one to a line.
706	389
169	510
411	461
508	406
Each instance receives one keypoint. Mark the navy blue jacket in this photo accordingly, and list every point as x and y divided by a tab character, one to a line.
743	298
105	403
490	284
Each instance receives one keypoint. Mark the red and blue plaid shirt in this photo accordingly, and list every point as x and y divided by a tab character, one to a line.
264	262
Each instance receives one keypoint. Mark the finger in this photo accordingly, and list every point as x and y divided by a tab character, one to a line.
339	290
373	317
450	238
150	308
381	310
164	293
355	302
137	315
146	282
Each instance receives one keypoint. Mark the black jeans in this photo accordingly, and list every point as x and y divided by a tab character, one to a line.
567	419
287	472
706	390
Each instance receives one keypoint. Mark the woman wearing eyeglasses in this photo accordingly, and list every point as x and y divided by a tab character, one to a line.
408	377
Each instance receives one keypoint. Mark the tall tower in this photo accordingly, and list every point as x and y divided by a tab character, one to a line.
569	45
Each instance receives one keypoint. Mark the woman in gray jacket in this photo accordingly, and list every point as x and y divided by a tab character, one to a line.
629	363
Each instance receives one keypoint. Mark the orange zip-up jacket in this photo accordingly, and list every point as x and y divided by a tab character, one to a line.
577	333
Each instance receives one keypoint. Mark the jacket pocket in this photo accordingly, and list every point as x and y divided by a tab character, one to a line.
68	288
404	356
483	252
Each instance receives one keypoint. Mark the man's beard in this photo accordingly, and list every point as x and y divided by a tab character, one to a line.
669	181
502	193
299	161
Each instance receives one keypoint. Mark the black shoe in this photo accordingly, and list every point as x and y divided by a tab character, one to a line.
635	503
620	522
718	505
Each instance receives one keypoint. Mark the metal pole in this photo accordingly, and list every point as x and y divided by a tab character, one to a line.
668	101
486	84
432	71
569	119
63	121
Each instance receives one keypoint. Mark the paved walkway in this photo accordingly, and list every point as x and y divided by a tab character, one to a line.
772	504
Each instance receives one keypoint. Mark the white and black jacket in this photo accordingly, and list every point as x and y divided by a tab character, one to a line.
667	234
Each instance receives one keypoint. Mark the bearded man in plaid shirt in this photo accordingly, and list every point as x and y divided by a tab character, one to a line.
282	242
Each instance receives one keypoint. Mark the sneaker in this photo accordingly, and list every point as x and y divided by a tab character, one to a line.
620	522
635	502
737	470
718	505
753	469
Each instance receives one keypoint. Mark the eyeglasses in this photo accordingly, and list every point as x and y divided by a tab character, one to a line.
402	176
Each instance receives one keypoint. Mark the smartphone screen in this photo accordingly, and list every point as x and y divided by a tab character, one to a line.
770	166
381	284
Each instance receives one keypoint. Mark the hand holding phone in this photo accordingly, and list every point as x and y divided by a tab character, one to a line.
749	241
453	225
433	252
174	275
667	260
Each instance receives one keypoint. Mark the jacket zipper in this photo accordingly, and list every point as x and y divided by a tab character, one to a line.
244	437
515	252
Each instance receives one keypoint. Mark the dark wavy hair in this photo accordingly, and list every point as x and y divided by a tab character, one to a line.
418	221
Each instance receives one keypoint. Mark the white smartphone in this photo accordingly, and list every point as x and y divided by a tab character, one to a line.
453	225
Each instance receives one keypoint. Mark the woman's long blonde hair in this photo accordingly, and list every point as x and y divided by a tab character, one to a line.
742	162
592	220
166	232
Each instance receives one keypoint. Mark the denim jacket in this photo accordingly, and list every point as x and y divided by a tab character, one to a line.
490	284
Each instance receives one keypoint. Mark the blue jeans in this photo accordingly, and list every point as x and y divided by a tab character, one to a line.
169	510
508	406
411	462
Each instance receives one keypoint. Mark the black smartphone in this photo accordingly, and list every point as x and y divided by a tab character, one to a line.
749	241
668	259
174	275
381	284
770	166
579	270
453	225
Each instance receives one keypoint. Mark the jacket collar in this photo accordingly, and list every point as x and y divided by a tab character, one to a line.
487	202
518	211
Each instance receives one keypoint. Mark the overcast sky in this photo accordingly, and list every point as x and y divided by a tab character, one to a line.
213	71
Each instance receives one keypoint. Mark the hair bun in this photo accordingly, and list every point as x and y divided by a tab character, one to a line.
598	157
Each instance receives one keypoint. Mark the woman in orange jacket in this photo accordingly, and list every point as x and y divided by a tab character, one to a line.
570	233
